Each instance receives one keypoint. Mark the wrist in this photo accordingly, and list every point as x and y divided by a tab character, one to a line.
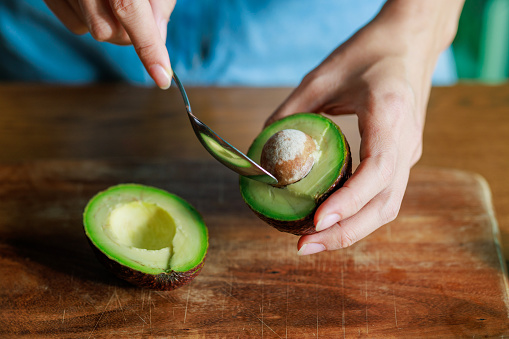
418	31
427	26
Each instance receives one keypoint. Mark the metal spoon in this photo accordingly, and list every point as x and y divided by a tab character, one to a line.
220	149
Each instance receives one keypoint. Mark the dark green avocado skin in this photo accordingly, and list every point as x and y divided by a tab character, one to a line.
305	225
166	281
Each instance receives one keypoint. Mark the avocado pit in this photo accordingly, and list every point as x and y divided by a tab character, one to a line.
310	157
289	156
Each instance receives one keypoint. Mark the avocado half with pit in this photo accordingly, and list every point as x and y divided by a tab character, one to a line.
146	236
290	207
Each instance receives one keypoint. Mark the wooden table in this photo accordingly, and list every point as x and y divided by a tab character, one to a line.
112	131
467	126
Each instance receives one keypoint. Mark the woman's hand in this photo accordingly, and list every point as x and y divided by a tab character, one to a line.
142	23
382	74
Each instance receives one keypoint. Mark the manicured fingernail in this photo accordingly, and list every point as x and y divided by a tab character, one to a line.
327	222
161	76
311	248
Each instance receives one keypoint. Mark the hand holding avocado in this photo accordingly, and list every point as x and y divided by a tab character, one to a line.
306	175
383	75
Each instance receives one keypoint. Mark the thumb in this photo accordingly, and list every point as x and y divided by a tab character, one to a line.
138	20
162	10
307	97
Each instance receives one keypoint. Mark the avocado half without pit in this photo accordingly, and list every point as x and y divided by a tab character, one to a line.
146	236
310	157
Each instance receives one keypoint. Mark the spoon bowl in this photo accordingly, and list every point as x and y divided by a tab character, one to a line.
220	149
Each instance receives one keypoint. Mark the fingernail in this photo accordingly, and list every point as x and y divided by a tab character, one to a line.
327	222
311	248
160	75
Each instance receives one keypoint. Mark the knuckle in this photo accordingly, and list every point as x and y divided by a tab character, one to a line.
390	210
395	107
145	50
397	95
123	8
120	38
355	200
310	77
386	166
101	31
394	104
345	237
313	81
418	153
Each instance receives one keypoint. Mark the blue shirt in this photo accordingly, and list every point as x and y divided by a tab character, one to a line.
210	42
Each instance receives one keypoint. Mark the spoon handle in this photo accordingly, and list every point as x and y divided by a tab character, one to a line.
220	149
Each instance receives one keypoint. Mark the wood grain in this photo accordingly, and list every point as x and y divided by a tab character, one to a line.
432	272
435	271
467	126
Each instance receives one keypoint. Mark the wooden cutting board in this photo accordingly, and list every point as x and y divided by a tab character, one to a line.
435	271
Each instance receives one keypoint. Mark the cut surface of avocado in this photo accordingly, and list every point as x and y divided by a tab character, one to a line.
146	229
299	199
223	154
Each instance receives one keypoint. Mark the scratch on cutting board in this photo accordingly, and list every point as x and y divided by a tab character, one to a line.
141	318
63	317
378	260
366	299
150	309
223	306
261	307
261	310
120	305
265	325
318	262
251	313
343	297
142	303
187	303
102	313
316	305
395	310
287	302
224	296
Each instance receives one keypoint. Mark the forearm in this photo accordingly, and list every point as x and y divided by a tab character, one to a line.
430	22
415	32
383	75
421	29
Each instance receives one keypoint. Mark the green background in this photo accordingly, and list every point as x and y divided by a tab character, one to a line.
481	47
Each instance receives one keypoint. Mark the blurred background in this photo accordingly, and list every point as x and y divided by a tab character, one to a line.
481	47
237	43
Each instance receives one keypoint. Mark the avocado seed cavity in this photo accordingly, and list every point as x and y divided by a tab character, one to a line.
142	225
289	155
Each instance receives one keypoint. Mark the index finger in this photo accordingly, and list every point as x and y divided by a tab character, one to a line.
138	20
379	159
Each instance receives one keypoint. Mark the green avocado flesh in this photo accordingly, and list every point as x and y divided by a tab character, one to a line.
223	154
297	200
146	229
